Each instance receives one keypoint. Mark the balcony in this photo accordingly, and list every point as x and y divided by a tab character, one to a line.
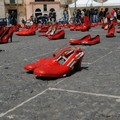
13	2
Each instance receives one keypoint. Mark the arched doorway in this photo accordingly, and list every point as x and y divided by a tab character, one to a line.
38	12
52	15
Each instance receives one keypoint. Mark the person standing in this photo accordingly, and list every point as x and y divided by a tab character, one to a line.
101	15
118	15
8	19
95	16
66	15
13	18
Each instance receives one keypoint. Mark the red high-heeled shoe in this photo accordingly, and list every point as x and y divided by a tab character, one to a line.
111	31
7	35
79	41
52	29
91	41
59	35
2	30
61	65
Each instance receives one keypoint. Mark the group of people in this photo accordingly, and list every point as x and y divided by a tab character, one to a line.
43	19
95	15
11	18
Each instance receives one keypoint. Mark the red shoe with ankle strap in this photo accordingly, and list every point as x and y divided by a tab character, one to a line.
79	41
61	65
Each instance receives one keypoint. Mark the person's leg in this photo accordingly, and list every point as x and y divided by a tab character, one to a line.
93	18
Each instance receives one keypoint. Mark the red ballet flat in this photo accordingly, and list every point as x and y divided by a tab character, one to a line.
79	41
91	41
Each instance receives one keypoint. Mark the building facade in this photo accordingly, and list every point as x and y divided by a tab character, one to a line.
26	8
2	11
44	7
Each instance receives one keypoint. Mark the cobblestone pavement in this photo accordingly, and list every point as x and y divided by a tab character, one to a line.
90	94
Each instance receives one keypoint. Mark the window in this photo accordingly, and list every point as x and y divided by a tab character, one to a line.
45	7
12	1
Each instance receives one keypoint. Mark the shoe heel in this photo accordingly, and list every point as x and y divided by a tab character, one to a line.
77	66
63	36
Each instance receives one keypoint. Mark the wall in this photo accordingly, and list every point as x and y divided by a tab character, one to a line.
2	9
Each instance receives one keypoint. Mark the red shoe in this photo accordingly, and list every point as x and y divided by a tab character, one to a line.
103	25
91	41
79	41
111	31
6	35
26	32
78	27
106	27
44	29
32	66
59	35
61	65
85	27
72	27
66	25
2	30
118	31
52	29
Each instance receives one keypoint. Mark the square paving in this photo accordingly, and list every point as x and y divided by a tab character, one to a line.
90	94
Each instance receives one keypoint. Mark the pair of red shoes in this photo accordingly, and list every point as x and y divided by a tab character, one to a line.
59	64
86	40
53	35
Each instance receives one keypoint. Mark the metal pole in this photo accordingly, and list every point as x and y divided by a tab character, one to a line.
75	4
75	13
17	11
